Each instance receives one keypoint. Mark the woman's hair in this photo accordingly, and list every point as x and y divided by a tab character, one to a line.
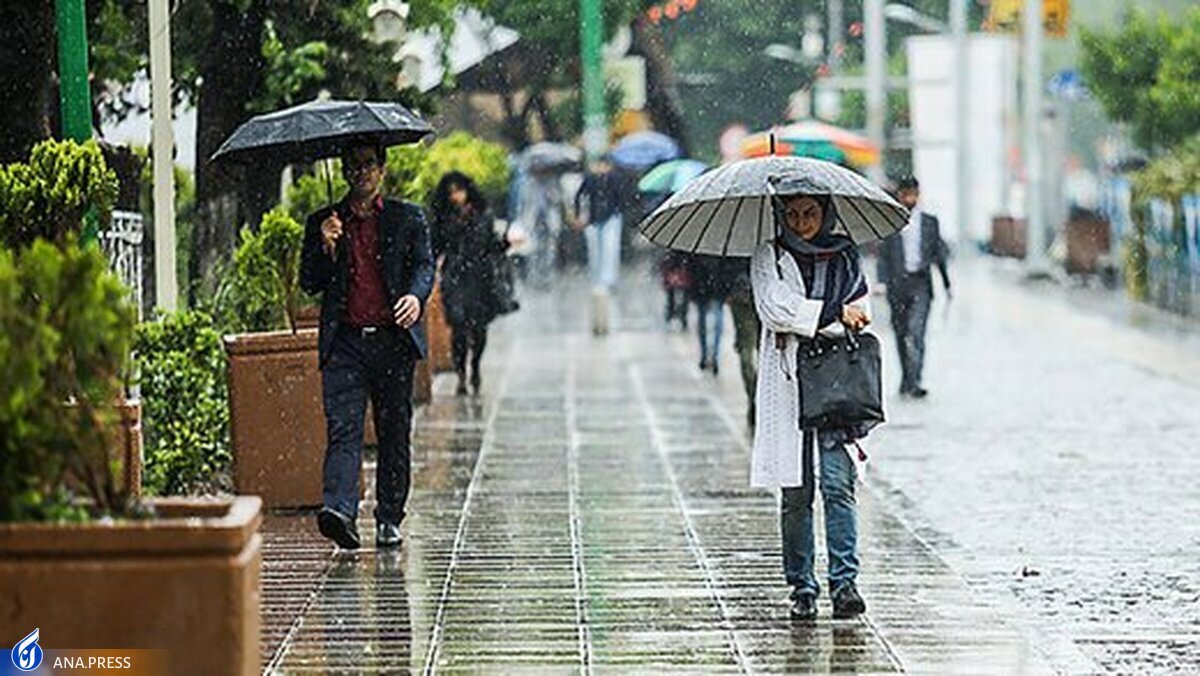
440	204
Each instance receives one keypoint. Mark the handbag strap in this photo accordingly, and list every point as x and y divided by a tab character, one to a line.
808	480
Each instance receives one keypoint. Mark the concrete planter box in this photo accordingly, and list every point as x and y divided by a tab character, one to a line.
276	419
1008	237
1088	244
186	582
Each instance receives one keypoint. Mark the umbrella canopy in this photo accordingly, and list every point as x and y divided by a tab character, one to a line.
644	149
811	138
546	157
728	211
670	177
321	129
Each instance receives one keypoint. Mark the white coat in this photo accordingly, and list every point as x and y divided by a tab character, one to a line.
783	309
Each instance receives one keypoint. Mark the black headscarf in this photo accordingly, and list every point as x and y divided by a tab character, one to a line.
844	281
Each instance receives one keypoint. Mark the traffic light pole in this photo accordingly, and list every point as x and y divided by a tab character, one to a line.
74	96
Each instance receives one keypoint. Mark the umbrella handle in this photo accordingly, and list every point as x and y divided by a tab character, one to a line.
329	181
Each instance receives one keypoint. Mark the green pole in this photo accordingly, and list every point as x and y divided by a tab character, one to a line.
74	95
591	27
75	98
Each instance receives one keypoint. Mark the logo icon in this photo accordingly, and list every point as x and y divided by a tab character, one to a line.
27	655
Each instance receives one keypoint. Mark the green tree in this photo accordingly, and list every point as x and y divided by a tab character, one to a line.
1147	74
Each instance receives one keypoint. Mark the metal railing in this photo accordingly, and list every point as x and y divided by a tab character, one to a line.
122	243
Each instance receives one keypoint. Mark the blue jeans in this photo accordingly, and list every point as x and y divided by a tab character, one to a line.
711	323
604	252
380	366
841	533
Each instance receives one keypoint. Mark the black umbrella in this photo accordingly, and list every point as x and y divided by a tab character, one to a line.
728	211
319	130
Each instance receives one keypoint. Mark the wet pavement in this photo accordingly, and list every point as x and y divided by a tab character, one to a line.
591	512
1056	466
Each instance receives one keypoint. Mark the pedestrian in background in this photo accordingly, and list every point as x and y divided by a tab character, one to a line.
905	262
598	212
746	330
467	245
369	258
808	280
711	280
676	280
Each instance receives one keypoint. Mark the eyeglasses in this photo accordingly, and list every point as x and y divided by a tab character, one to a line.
359	168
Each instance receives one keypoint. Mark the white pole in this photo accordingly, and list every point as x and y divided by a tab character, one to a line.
962	160
163	142
1035	256
875	35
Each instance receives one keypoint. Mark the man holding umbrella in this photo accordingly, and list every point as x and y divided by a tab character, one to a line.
370	258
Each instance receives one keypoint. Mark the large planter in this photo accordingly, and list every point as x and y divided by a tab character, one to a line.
186	582
276	419
1087	243
127	448
1008	237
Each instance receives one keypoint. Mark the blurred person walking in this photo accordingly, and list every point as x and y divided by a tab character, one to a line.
746	331
471	253
598	212
711	281
905	259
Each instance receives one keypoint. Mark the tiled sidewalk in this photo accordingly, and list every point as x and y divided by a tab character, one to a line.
591	513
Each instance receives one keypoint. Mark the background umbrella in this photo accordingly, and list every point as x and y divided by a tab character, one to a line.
670	177
810	138
319	130
644	149
728	211
547	157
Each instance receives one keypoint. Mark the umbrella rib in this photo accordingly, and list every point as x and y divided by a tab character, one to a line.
883	214
662	226
684	226
707	225
732	225
863	216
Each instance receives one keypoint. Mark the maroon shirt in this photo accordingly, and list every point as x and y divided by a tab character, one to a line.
367	300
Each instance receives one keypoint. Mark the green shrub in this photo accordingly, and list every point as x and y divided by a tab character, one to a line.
185	412
262	293
50	196
412	173
65	331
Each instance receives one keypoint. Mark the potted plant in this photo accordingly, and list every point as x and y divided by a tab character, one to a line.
277	429
81	558
63	189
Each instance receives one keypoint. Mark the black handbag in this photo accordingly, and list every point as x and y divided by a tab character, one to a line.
840	382
503	287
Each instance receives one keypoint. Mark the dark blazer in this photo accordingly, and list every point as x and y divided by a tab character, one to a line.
933	252
407	261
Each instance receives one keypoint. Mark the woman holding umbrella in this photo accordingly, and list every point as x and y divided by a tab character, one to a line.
465	241
808	281
799	220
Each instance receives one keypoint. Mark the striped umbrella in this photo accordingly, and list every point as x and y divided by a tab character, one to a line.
728	211
811	138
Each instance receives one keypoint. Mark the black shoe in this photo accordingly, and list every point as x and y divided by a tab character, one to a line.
476	381
918	393
339	528
388	535
715	368
703	364
804	607
847	603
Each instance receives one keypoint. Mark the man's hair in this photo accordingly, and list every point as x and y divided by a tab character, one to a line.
907	182
380	151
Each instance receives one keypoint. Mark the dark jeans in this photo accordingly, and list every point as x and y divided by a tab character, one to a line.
841	530
746	331
710	320
468	340
910	297
377	364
